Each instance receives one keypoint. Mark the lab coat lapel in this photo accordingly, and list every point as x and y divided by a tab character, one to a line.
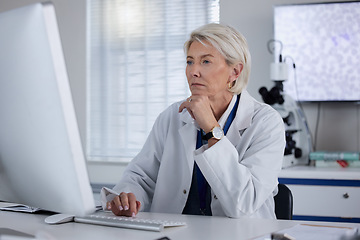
242	121
188	137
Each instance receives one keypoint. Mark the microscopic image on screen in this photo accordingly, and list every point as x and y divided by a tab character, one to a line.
323	40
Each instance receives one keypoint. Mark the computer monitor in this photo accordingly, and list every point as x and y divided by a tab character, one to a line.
323	40
42	162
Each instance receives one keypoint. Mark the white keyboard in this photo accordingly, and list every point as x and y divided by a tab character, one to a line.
128	222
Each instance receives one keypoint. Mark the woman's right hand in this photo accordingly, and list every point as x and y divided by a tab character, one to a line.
200	109
125	204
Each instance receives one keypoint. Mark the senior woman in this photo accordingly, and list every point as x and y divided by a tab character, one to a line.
218	152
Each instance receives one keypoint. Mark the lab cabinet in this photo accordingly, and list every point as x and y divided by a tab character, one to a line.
324	194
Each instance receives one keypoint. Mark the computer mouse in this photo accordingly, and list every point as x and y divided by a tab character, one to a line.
59	218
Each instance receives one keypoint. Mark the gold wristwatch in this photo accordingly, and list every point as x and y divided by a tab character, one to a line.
216	133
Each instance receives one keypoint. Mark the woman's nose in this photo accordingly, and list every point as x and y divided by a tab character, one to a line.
195	70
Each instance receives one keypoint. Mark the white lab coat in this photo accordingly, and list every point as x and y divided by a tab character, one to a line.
242	168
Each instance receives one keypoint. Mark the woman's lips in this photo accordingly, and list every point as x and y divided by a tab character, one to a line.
196	85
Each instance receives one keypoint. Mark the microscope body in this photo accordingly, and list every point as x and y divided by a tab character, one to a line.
298	138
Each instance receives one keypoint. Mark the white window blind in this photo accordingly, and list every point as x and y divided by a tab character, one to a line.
136	68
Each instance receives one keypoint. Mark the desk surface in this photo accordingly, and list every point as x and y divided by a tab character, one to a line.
198	227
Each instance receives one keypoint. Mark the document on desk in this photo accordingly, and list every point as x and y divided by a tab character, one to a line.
15	207
313	231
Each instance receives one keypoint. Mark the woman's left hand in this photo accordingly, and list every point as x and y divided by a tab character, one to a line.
201	111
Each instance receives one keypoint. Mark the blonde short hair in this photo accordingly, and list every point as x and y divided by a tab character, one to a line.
232	46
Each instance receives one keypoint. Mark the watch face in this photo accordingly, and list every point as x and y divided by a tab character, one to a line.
218	133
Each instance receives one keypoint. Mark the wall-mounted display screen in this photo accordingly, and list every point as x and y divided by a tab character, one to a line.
323	40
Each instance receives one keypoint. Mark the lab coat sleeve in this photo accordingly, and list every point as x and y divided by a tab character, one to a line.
243	177
140	175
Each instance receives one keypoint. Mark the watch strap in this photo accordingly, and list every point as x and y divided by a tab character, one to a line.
208	136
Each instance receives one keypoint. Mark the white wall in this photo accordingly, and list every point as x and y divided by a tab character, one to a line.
339	126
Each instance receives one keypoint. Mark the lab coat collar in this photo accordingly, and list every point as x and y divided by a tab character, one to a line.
245	111
186	118
187	133
244	115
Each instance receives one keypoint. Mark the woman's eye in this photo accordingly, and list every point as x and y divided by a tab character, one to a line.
206	61
189	62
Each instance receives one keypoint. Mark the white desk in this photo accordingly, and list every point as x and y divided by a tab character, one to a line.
198	227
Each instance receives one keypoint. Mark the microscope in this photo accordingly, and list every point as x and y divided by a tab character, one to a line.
298	138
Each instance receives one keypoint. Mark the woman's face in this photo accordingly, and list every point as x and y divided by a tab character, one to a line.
206	71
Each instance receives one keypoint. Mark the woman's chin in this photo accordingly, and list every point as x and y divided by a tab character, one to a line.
196	91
